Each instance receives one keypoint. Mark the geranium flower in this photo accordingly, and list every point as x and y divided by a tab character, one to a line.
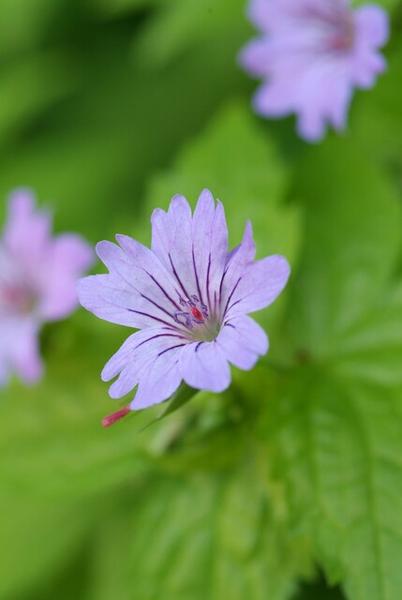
311	56
38	276
190	299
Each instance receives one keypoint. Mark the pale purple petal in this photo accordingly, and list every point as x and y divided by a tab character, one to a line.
192	248
243	341
69	256
260	13
372	25
238	262
143	287
203	366
254	57
27	233
210	246
259	286
19	350
172	243
275	99
159	381
136	359
110	299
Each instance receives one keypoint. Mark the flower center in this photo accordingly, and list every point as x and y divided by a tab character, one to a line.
195	316
343	38
336	23
16	299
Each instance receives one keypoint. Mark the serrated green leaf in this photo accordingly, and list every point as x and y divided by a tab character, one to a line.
337	454
334	433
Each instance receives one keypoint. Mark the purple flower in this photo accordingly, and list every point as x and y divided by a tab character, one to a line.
38	276
311	55
189	297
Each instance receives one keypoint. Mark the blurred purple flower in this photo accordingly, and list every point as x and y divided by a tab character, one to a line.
38	276
311	55
189	297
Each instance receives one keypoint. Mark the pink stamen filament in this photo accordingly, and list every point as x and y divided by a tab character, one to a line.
116	416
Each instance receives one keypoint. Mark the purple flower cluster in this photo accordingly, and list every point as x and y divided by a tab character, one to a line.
311	55
38	276
189	297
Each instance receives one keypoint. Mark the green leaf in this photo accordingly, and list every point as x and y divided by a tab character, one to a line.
337	458
334	433
352	241
197	537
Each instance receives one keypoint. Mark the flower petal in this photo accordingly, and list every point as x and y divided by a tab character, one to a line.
69	257
238	261
27	233
136	359
372	25
108	298
159	381
203	366
194	248
19	350
259	286
138	283
243	341
210	247
172	243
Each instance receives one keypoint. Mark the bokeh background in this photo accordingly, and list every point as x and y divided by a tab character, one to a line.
288	486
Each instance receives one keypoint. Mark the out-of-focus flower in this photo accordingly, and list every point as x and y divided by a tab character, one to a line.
312	54
189	297
38	276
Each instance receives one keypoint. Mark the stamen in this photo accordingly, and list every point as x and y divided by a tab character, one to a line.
197	314
116	416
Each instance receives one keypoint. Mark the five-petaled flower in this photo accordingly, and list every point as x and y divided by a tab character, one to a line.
189	297
311	56
38	277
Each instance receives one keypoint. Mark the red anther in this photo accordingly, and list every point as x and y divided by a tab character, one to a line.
197	314
116	416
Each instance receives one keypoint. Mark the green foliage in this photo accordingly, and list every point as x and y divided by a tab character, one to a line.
109	107
209	541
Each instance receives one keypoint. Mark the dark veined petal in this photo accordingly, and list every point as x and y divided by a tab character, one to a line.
172	243
203	365
193	248
243	341
135	361
238	261
138	292
111	300
259	286
159	381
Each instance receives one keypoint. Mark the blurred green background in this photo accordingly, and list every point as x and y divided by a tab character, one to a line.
288	486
